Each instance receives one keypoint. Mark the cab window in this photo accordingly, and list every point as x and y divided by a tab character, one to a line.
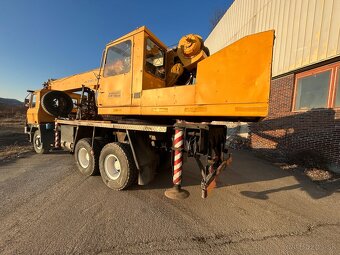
154	59
33	100
118	59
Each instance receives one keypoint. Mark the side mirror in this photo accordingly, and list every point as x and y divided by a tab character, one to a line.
27	102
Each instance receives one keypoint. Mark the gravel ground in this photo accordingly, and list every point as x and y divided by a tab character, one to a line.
47	207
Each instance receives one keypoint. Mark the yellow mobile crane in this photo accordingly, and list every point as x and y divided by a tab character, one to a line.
147	101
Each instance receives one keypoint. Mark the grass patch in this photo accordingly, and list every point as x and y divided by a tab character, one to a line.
16	121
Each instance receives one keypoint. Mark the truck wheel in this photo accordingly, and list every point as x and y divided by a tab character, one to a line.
117	166
57	103
38	145
86	157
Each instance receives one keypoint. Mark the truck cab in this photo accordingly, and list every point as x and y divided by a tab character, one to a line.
39	123
35	113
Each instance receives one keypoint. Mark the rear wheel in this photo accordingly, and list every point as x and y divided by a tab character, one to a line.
38	145
117	166
87	157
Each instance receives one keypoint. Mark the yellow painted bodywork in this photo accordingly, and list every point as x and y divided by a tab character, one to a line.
74	82
36	114
234	82
189	50
70	84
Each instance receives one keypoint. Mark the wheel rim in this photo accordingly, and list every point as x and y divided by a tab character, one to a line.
83	158
38	143
112	166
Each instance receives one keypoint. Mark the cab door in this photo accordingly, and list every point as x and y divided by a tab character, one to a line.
116	82
32	111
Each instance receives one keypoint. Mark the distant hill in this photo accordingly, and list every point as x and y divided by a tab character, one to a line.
9	106
10	102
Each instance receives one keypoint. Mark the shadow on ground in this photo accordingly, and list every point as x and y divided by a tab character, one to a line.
248	168
245	169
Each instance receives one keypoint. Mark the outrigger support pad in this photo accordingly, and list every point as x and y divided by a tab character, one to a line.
176	192
210	172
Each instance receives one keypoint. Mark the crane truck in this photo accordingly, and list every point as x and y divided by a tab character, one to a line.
147	103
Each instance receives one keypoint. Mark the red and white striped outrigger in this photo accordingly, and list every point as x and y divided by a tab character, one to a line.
199	141
178	159
56	135
177	192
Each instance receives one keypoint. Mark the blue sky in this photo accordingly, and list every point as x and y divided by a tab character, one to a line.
41	39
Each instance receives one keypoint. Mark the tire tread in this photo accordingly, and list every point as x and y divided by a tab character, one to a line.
127	154
96	152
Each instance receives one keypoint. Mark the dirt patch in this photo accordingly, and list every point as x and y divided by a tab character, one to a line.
308	163
13	151
318	174
13	140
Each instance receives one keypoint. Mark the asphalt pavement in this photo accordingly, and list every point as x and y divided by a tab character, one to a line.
48	207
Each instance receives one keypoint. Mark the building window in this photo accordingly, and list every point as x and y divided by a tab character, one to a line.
316	89
312	91
337	89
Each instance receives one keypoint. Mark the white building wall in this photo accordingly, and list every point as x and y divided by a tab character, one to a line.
307	31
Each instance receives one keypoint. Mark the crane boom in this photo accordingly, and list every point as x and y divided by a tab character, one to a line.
74	82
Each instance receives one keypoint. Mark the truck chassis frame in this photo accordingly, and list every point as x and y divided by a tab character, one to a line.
204	142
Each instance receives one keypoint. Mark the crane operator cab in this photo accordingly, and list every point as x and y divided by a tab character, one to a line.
139	61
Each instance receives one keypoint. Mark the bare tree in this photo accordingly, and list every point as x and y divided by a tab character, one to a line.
218	14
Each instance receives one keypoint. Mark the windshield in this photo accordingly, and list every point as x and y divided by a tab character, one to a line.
118	59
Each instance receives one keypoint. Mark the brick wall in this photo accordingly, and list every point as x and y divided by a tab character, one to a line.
284	134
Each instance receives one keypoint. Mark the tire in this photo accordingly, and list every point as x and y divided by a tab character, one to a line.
39	147
117	166
57	103
87	158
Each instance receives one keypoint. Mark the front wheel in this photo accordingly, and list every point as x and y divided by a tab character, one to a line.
38	145
117	166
